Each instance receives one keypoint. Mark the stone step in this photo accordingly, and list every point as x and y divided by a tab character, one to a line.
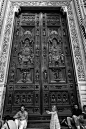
63	127
35	128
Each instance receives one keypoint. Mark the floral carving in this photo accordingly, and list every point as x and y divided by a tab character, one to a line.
76	48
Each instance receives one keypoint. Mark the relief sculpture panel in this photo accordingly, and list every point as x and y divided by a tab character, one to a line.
40	72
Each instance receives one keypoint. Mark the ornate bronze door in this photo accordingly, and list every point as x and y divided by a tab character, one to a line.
40	71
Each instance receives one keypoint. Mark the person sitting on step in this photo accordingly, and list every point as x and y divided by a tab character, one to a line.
76	112
21	118
82	118
9	123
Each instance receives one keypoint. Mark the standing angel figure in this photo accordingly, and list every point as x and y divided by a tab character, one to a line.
54	123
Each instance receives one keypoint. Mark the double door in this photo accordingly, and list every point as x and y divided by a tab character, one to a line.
40	71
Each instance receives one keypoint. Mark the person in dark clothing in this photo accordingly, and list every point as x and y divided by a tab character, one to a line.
76	112
1	122
84	112
82	118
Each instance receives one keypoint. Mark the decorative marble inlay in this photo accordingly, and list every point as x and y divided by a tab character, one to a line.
41	3
81	13
75	44
1	11
6	44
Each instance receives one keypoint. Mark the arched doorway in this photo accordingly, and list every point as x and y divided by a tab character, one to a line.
41	71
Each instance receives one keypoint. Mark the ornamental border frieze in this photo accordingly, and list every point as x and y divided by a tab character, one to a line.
76	48
6	42
40	3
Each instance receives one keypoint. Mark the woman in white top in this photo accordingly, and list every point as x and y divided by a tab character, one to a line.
54	123
9	123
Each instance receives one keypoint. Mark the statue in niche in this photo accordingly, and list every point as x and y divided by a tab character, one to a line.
23	98
59	99
12	72
37	75
54	51
53	99
17	99
12	75
25	55
29	98
25	77
46	98
62	58
55	75
65	100
45	74
10	99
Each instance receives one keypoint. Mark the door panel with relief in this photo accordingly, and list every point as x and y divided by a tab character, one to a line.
40	71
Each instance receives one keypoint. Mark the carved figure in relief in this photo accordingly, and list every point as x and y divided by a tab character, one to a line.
12	72
29	98
37	75
59	98
23	98
53	99
45	75
25	55
57	75
25	77
54	54
17	98
65	98
10	99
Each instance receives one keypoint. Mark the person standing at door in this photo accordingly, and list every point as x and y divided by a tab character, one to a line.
21	118
54	123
